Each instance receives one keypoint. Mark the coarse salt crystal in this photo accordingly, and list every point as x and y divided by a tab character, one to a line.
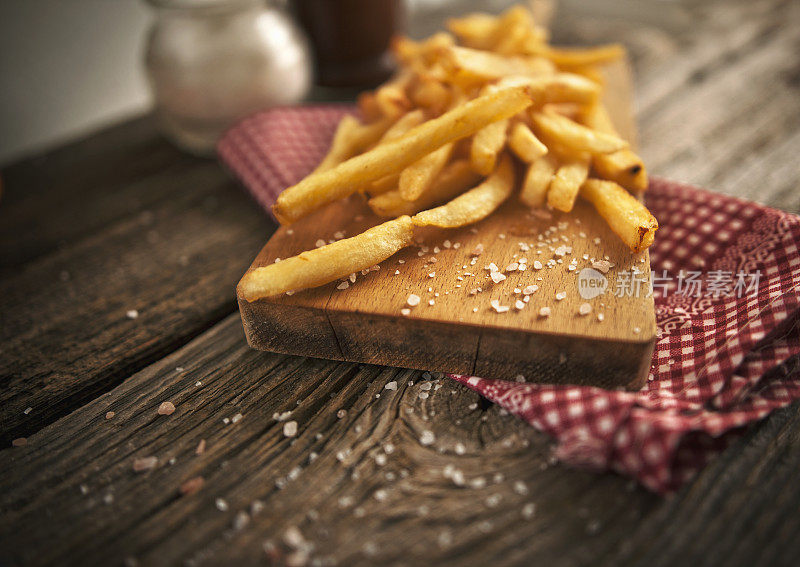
518	305
495	303
529	290
343	285
338	235
290	429
512	267
585	309
602	265
561	295
413	300
110	414
427	438
544	312
144	464
391	385
491	267
132	314
405	311
319	243
166	408
497	277
537	265
431	302
600	316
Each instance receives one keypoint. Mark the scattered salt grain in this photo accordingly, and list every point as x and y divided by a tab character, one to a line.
561	295
528	510
519	305
495	303
221	504
201	447
166	408
497	277
341	413
427	438
110	414
192	485
431	302
132	314
637	330
343	285
391	385
236	418
600	316
319	243
585	309
405	311
144	464
512	267
544	312
432	275
537	265
529	290
602	265
413	300
290	429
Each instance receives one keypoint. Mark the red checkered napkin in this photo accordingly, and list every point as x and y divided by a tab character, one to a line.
727	294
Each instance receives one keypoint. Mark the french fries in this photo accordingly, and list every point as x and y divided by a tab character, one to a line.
474	205
330	262
319	189
564	131
442	141
626	215
486	144
623	166
525	144
566	183
350	138
452	181
537	181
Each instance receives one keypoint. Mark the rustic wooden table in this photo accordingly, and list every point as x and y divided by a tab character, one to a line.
118	259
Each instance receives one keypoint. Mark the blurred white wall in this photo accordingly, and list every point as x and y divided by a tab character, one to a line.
66	68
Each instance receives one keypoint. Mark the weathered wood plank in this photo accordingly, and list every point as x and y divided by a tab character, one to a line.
374	492
172	249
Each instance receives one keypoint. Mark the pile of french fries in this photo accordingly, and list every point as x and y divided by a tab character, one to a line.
472	116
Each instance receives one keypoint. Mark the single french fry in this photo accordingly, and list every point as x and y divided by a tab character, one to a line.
474	30
566	183
471	66
487	143
453	180
626	215
537	181
561	129
328	263
623	166
585	57
350	138
391	98
368	107
554	89
474	205
431	94
525	144
418	177
318	189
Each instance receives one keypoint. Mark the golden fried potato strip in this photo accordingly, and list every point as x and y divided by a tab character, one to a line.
474	205
471	66
537	181
577	137
487	143
566	183
350	138
418	177
623	166
453	180
525	144
626	215
319	189
328	263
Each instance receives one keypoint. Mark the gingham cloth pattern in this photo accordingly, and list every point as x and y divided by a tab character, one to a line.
722	360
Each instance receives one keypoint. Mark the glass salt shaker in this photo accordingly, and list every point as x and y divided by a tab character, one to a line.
212	62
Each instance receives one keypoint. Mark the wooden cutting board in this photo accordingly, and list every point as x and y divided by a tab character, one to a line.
454	330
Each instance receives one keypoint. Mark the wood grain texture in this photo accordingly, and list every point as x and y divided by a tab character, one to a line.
170	248
356	480
454	329
740	511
